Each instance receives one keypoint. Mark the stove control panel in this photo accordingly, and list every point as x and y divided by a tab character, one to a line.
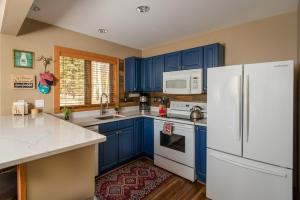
186	106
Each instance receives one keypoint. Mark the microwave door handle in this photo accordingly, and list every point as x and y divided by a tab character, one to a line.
189	84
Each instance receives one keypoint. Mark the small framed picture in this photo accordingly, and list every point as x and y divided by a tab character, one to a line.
23	59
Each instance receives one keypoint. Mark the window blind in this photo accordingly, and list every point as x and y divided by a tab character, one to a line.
72	81
82	82
100	78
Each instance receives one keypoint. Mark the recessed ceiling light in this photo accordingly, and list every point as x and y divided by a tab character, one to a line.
102	30
36	8
143	9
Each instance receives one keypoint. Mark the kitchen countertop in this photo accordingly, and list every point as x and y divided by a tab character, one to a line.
91	120
23	139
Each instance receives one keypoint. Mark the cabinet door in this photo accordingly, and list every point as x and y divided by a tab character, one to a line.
132	74
138	136
108	152
157	73
147	74
173	61
148	137
125	144
137	75
192	58
213	57
200	153
129	74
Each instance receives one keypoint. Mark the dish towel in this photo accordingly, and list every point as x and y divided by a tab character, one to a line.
167	128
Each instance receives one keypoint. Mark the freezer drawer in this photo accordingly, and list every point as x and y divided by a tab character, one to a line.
235	178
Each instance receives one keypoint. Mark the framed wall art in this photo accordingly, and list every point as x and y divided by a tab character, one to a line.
23	59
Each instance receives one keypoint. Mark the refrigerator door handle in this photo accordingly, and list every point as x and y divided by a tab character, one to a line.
247	106
250	167
240	106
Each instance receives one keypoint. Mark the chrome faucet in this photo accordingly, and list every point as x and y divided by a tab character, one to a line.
101	106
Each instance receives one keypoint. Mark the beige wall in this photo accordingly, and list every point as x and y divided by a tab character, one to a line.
269	39
41	38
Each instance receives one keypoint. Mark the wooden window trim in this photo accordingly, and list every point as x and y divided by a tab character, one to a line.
63	51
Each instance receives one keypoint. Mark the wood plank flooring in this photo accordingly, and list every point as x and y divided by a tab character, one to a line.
177	188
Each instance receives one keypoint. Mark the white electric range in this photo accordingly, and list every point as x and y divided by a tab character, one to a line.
176	152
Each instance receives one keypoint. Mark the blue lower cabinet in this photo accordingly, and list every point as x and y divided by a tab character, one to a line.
108	152
125	139
148	139
200	153
138	136
125	144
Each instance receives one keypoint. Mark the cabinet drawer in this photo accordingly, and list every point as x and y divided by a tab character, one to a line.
111	126
125	123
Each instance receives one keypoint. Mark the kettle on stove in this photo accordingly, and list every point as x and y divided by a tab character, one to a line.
196	113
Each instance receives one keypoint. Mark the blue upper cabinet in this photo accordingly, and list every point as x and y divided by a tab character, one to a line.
148	139
213	56
173	61
147	74
192	58
200	137
157	73
132	74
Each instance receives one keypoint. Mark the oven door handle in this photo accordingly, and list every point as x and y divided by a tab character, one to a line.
181	126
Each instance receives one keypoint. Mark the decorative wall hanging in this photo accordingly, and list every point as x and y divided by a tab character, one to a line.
23	59
23	81
46	78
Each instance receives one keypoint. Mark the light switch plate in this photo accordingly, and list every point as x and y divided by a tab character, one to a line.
39	103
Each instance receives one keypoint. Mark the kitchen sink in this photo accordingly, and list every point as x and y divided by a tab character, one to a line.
109	117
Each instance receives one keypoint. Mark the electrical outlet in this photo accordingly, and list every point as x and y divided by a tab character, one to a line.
39	103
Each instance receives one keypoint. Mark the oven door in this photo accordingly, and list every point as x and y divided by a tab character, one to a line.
179	84
179	146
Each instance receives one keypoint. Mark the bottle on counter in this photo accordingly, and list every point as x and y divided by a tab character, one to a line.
163	107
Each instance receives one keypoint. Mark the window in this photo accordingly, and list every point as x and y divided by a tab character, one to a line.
72	81
101	76
83	78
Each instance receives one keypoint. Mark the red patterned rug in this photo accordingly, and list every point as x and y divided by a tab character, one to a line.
132	181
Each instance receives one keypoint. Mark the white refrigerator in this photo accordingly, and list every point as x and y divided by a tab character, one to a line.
250	131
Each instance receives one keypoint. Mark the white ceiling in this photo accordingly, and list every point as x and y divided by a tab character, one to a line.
167	20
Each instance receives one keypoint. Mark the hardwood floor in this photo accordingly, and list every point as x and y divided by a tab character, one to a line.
177	188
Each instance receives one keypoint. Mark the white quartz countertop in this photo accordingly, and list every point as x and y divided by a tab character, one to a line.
91	120
23	139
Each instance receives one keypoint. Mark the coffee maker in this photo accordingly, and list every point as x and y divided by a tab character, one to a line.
144	103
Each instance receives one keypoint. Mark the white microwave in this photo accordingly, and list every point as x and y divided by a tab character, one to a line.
183	82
